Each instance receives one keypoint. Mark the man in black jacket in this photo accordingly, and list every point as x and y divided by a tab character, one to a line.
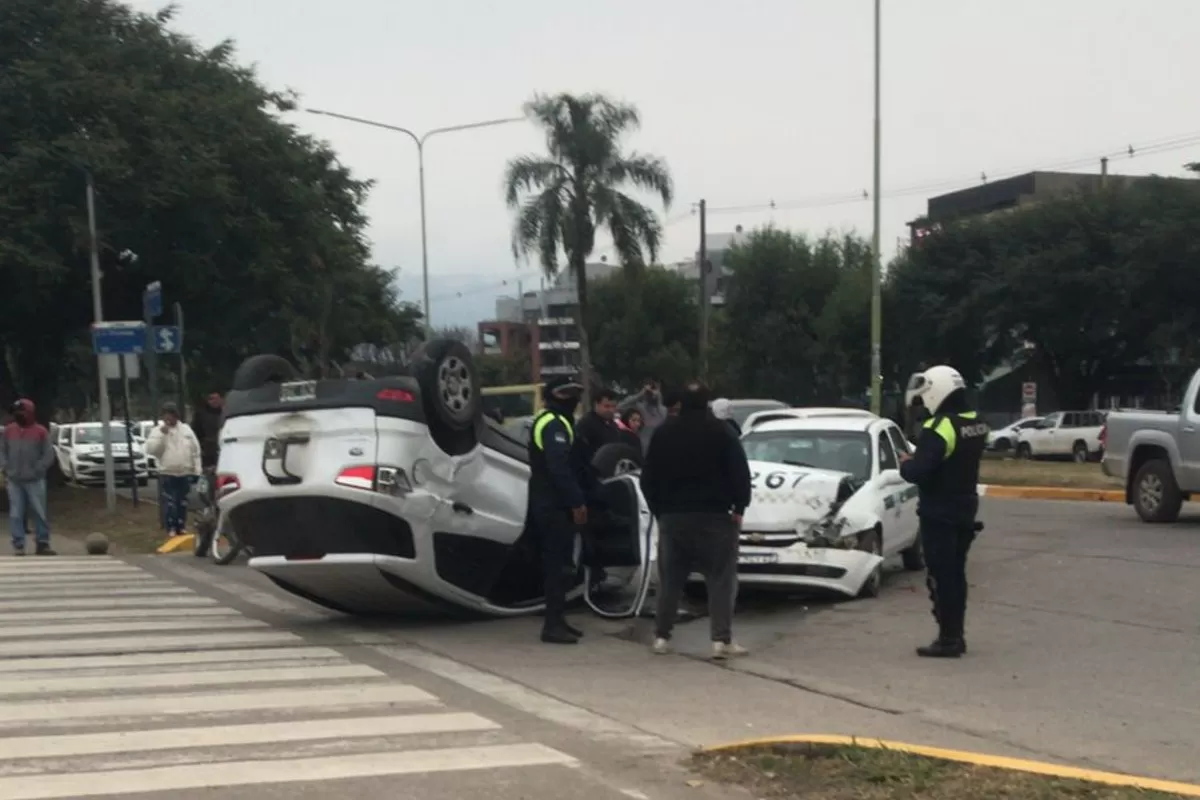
697	483
597	427
206	424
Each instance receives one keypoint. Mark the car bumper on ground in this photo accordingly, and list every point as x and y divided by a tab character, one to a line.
802	567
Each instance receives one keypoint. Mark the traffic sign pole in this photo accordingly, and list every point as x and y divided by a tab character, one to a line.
129	433
118	339
183	392
152	309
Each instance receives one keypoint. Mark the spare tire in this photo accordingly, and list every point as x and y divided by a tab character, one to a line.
449	384
258	371
617	458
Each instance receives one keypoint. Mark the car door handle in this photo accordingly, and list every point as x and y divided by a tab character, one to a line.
1190	429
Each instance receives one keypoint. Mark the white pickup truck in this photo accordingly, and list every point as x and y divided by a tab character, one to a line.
1157	454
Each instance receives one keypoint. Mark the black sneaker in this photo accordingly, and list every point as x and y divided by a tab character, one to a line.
571	629
942	648
18	551
559	636
44	550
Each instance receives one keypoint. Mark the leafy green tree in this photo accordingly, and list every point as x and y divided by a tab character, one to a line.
562	198
644	323
796	320
514	369
257	230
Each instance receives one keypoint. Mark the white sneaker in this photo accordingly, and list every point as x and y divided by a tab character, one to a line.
722	651
661	647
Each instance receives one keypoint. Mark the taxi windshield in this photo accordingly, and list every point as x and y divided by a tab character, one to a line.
841	451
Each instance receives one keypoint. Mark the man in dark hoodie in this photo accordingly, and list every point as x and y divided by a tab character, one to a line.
25	456
206	424
697	483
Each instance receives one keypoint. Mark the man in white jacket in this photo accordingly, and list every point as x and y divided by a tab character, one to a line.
177	449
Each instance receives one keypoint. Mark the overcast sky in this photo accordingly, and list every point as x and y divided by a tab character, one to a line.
760	101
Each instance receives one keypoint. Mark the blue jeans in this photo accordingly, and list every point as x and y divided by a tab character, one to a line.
175	490
27	498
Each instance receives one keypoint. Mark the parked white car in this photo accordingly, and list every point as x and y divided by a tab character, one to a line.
1063	434
141	432
80	452
829	505
1004	440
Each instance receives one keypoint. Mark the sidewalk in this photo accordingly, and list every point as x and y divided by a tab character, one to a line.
685	697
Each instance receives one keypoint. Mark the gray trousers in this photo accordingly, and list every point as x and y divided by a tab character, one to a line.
704	543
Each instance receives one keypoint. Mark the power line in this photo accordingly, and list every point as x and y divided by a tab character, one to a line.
1130	151
1165	145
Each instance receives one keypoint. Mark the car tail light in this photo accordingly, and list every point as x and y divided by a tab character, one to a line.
374	478
357	478
395	396
1103	435
227	483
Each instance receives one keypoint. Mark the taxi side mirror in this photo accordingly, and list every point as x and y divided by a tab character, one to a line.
890	477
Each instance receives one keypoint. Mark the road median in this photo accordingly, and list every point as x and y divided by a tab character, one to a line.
1052	493
836	767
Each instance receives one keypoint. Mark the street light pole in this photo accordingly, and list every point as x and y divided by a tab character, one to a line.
110	478
876	260
419	140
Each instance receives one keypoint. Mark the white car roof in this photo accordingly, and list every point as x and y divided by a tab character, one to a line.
815	412
830	423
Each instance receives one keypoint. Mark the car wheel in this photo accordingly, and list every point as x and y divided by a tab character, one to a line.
872	543
449	383
1156	495
615	459
258	371
1024	450
914	557
1079	452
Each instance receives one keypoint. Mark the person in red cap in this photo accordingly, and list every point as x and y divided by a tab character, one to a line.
25	457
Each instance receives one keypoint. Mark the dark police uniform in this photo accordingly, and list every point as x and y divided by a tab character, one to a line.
945	469
557	484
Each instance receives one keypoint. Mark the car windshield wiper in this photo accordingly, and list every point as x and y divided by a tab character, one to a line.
798	464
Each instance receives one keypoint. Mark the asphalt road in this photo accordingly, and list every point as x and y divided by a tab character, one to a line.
1084	637
1084	649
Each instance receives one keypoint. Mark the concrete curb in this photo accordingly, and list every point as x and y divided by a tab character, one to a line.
1051	493
974	759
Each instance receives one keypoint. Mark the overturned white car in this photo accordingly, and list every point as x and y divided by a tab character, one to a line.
829	505
395	494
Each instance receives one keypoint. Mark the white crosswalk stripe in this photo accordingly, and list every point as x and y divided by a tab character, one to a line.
114	682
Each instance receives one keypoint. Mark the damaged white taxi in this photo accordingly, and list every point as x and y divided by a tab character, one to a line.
829	506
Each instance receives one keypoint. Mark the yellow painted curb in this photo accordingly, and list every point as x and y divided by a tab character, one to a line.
974	759
1054	493
176	543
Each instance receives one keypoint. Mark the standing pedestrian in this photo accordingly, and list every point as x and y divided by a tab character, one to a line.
945	469
598	427
560	482
206	425
178	451
722	409
649	403
26	455
696	481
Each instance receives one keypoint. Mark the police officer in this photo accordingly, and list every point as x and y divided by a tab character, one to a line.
559	484
945	469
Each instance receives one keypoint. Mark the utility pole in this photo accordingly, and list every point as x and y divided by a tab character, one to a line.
110	477
1104	171
702	263
876	262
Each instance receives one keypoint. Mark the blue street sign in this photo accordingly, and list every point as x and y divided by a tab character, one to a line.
119	338
152	300
167	339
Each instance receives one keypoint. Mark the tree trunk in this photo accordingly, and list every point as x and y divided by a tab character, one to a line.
585	350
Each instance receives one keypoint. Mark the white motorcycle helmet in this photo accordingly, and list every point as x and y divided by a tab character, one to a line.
935	384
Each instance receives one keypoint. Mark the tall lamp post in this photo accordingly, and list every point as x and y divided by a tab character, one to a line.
419	140
876	260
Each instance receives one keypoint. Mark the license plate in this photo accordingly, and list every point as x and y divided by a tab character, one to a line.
758	558
297	391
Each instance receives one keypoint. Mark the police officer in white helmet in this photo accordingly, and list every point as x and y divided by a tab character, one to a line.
945	469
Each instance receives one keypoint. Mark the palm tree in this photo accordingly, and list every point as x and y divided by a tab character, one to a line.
562	198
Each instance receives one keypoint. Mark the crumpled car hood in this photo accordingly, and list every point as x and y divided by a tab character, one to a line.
782	495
